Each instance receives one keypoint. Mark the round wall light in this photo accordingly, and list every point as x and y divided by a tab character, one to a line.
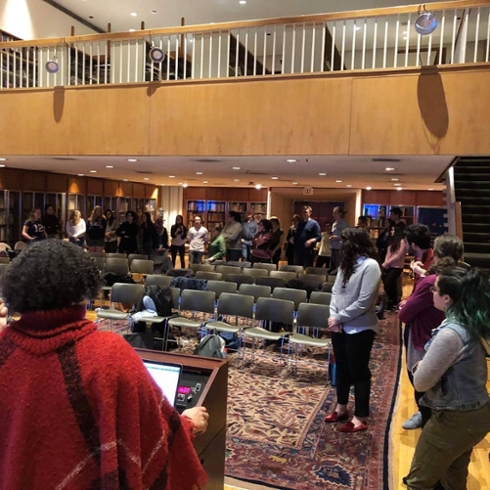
426	23
52	66
156	55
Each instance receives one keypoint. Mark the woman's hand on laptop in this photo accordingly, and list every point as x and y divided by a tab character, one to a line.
199	417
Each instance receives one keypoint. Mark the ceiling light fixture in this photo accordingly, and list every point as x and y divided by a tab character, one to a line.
132	30
294	183
275	178
2	165
134	14
237	180
156	55
242	2
348	185
399	189
395	180
389	169
426	22
146	178
205	182
368	188
180	183
93	171
184	185
109	166
171	176
155	12
258	186
397	185
430	189
3	159
338	181
132	160
291	160
81	175
198	173
322	174
236	168
125	180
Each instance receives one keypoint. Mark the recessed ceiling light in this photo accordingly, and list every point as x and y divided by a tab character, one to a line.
291	160
109	166
93	171
237	180
162	185
146	178
397	185
338	181
258	186
242	2
184	185
389	169
368	188
294	183
3	159
399	189
431	189
125	180
132	160
275	178
236	168
81	175
348	185
198	173
171	176
395	180
132	30
155	12
2	165
205	182
133	14
322	174
180	183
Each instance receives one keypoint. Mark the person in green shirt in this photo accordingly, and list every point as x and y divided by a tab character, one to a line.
217	247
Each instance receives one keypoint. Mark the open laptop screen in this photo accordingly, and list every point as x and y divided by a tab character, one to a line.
166	376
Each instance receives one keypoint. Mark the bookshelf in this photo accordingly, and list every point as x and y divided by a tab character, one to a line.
216	213
377	214
258	208
195	208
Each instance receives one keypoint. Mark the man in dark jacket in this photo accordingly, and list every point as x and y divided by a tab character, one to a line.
308	234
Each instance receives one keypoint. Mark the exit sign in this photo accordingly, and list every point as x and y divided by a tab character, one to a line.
308	191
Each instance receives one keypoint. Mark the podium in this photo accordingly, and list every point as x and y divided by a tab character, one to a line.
204	382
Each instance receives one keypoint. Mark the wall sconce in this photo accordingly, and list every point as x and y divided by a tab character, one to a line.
426	22
156	55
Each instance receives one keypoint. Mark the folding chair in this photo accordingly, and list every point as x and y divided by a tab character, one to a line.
297	296
194	302
241	279
116	256
321	271
292	268
142	267
270	310
220	287
286	276
255	291
226	269
98	254
210	276
320	298
233	305
315	316
267	267
201	267
158	280
273	282
132	257
327	287
255	273
122	293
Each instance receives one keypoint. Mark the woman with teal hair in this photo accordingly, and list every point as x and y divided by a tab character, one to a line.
453	375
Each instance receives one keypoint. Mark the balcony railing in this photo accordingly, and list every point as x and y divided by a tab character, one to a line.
359	40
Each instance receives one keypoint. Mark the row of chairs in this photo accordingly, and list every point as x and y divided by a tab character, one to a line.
123	266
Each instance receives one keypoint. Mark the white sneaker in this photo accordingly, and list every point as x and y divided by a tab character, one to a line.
414	422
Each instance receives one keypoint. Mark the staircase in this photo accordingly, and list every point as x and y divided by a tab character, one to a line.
472	189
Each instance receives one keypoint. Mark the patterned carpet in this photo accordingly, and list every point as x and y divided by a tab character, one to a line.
277	437
276	434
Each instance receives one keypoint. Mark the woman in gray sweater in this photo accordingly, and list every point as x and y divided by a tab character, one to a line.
453	375
354	323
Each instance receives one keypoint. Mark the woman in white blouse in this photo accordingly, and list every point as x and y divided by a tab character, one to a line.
76	228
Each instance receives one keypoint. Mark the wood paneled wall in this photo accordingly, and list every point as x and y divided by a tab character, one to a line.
407	198
224	194
411	112
32	180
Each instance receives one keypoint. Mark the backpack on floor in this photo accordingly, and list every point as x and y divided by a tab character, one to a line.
211	345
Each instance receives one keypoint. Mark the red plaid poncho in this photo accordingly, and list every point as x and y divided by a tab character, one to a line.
78	410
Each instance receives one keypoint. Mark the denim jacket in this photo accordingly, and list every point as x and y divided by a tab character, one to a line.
463	386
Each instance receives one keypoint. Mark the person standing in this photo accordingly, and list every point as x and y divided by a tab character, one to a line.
51	223
96	226
217	247
453	374
159	252
148	233
178	233
419	239
33	229
276	240
323	258
128	231
197	237
249	227
232	233
110	232
392	270
354	324
76	228
261	247
339	225
396	220
290	239
308	234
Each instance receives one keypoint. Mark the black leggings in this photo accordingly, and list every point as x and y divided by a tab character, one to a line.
390	281
181	250
352	355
